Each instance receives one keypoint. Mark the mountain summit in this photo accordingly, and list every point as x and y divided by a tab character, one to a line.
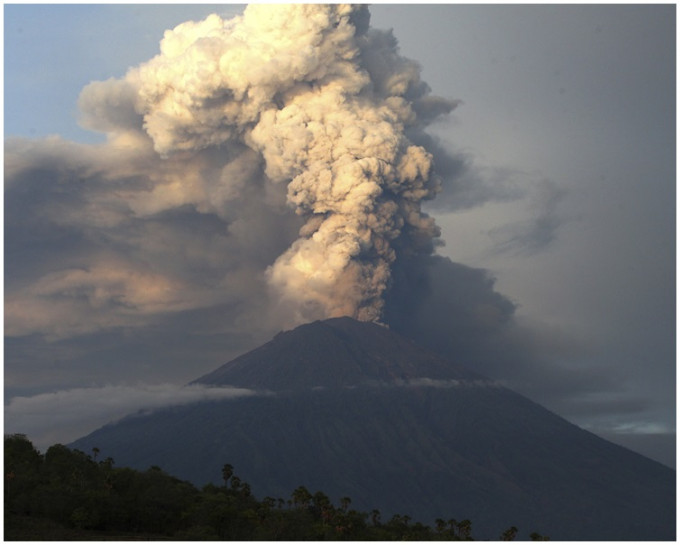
339	352
354	410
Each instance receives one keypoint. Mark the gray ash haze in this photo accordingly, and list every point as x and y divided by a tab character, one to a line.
182	182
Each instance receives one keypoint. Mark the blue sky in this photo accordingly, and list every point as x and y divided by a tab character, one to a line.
567	130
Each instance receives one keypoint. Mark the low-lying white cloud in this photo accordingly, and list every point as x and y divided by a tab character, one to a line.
426	382
64	416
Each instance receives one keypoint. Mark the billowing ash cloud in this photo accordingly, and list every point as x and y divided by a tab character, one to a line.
323	103
258	173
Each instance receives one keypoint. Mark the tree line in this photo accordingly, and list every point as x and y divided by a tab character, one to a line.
88	495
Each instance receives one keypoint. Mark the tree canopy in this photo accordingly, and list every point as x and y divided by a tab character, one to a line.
67	490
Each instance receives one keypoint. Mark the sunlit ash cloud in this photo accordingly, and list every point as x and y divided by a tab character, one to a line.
301	107
324	102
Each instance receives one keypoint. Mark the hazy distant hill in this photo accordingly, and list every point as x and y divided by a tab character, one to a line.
355	410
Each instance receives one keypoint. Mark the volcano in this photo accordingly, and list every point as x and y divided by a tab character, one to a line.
355	410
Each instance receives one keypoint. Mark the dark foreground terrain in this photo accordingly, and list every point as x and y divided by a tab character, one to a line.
67	495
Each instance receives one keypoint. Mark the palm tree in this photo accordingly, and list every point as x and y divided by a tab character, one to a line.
227	472
344	503
301	497
509	534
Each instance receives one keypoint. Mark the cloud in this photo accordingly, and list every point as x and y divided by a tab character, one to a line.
301	86
269	156
66	415
456	311
451	308
425	382
539	227
466	184
243	169
102	237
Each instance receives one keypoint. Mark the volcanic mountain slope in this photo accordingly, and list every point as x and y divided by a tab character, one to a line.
335	353
352	409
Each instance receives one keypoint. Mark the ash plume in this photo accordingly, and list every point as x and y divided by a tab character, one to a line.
320	103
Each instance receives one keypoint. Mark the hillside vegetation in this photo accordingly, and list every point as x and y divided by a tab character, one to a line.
67	494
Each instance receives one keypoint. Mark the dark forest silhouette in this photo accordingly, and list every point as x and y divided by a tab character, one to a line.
68	494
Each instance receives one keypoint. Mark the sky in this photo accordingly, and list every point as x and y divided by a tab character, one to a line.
139	257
